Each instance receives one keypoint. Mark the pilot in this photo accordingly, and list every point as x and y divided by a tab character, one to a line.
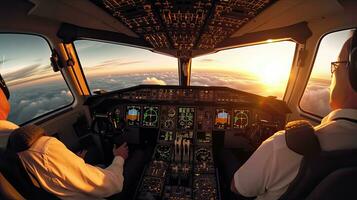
273	166
56	168
6	127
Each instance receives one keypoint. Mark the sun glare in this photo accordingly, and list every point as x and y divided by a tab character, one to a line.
262	69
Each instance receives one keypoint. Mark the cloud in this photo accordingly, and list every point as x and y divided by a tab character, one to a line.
154	81
24	72
206	60
83	45
316	99
4	60
31	72
36	99
30	102
114	62
235	81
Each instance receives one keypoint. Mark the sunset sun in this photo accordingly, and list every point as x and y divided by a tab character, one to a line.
273	77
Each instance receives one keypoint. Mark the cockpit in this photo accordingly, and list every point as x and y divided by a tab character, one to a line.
181	82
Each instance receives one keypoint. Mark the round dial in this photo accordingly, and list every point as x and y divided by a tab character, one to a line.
169	124
163	149
203	155
241	119
171	112
163	152
151	116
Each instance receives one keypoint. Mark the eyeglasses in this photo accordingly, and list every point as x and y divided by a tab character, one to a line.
335	65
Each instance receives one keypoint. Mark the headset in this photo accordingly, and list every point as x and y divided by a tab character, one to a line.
4	88
352	59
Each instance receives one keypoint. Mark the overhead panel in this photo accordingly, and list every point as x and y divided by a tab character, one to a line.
184	25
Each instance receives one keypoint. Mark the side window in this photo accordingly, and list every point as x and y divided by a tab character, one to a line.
34	88
315	99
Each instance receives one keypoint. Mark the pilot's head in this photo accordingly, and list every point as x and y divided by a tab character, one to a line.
4	103
342	94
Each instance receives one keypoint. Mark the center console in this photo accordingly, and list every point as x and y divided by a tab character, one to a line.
182	166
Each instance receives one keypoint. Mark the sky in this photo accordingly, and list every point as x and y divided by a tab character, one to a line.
25	58
328	52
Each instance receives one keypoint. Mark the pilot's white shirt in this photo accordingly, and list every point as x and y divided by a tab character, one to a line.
273	166
6	127
66	175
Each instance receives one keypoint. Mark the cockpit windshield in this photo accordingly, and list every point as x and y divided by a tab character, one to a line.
260	69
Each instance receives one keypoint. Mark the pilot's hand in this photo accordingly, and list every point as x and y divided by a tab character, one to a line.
121	151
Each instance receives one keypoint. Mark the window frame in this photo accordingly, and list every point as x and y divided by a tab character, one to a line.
55	112
304	113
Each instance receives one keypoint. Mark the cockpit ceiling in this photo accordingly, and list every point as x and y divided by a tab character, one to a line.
184	25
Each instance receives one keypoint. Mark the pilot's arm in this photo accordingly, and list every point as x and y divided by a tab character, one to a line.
70	172
270	167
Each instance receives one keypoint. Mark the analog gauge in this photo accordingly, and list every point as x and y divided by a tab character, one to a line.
163	152
171	113
150	116
203	155
240	119
163	149
169	124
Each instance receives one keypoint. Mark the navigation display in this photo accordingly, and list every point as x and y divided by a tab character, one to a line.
150	116
240	119
133	115
186	117
223	119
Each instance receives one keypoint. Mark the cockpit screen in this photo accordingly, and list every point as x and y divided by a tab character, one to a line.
240	119
223	119
150	116
186	117
133	115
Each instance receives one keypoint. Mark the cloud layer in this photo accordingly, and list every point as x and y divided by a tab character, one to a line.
316	98
154	81
34	100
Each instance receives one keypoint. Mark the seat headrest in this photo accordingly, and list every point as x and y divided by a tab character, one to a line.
300	138
22	138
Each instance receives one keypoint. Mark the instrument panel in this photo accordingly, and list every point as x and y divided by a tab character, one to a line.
172	109
185	121
168	117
